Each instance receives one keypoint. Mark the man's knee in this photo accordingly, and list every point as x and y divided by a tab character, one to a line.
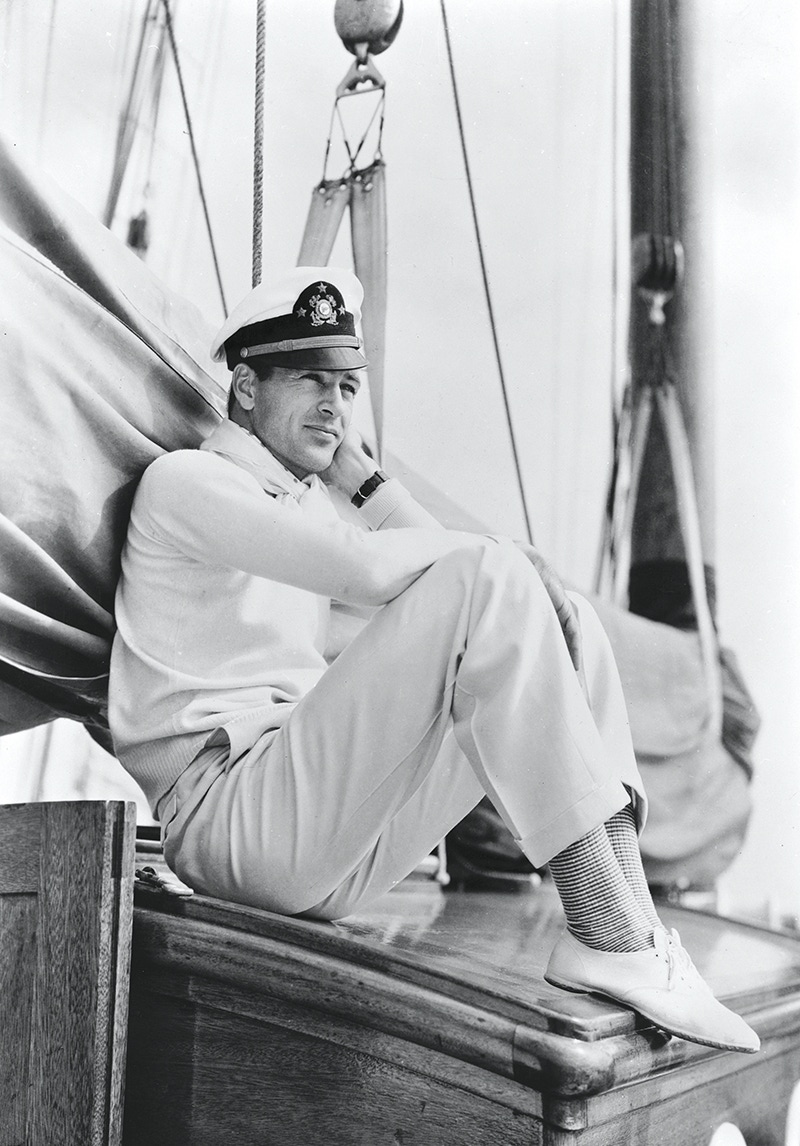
492	578
494	575
497	560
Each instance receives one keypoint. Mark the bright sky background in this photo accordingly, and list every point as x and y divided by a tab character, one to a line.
537	83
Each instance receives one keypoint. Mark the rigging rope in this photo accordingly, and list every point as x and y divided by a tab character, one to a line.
128	119
485	276
157	82
380	107
195	158
378	112
48	64
258	144
607	556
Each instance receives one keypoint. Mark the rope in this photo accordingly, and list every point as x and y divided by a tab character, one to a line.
258	144
485	277
46	85
353	155
127	121
620	392
157	89
195	157
680	457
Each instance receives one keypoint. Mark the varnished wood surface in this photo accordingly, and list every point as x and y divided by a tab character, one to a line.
66	902
490	949
432	1006
428	1017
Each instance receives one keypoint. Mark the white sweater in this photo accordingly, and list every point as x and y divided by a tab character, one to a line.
224	601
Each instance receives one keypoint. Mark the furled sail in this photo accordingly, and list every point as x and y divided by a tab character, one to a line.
100	371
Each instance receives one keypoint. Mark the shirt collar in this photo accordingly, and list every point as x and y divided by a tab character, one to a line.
246	450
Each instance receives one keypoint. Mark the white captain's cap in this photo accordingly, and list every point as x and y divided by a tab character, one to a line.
306	318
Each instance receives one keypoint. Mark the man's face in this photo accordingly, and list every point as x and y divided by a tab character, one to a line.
302	415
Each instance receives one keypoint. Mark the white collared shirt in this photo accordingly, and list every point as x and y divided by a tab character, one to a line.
223	605
247	451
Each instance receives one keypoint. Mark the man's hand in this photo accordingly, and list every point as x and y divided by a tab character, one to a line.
567	616
350	467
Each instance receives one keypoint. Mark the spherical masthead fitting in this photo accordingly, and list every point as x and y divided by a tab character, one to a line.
373	23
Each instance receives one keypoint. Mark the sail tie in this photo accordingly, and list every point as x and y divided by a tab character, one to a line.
656	270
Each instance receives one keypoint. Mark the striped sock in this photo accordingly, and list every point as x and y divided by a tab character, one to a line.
601	908
621	831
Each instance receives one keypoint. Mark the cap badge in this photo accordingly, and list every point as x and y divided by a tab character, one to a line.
324	307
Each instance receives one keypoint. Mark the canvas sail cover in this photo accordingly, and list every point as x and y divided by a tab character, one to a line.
102	368
697	778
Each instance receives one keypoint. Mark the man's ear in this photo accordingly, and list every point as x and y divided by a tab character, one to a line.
243	384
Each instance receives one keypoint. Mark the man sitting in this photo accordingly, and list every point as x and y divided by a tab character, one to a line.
303	788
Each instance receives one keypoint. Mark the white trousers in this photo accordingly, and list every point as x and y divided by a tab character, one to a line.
461	686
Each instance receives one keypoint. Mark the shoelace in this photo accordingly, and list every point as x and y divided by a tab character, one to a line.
669	946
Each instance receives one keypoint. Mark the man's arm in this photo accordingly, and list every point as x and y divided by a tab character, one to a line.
391	506
394	508
214	512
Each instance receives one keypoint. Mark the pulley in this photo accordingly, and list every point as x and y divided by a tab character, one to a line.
366	28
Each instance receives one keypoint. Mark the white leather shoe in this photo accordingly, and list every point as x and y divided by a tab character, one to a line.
661	983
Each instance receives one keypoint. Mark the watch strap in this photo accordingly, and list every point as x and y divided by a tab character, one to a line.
368	488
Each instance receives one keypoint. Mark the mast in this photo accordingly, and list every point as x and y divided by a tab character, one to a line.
670	284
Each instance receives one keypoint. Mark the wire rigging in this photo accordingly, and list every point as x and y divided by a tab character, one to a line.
352	155
157	87
484	275
195	157
353	152
48	65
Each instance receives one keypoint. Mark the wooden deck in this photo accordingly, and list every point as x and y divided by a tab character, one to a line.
426	1021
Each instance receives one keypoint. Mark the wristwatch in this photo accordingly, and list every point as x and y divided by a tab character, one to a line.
368	488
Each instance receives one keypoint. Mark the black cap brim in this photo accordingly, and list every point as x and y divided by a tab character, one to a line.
319	358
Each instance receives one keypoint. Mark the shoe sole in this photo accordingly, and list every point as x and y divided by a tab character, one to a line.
580	990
